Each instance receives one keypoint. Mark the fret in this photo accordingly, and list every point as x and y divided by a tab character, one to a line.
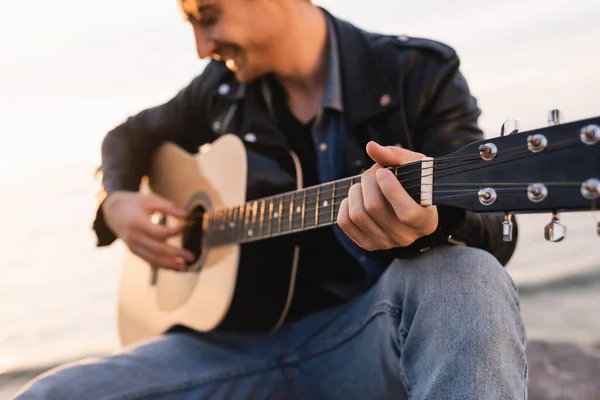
291	212
310	209
223	226
251	231
217	226
234	225
336	209
279	217
274	215
213	227
231	224
258	223
224	235
285	215
246	220
317	206
264	207
303	207
297	210
332	201
227	220
239	224
325	214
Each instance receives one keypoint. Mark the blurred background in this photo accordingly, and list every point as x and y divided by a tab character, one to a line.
70	70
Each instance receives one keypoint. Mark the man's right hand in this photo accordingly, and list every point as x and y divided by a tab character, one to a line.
129	215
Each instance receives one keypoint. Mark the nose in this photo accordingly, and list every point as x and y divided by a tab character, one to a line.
204	45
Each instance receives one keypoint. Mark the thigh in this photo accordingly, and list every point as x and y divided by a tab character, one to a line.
359	364
178	365
350	352
435	326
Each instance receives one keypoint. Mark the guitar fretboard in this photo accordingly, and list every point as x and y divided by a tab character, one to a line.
291	212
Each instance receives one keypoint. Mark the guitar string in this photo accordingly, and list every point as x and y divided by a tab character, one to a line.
341	185
303	210
516	156
283	221
342	196
218	239
308	214
477	157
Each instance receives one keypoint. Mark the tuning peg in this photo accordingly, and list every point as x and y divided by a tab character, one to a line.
555	231
507	228
509	126
555	117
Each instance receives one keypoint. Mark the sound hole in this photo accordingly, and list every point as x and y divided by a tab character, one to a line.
192	234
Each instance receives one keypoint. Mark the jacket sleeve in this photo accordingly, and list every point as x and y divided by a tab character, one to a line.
445	120
127	149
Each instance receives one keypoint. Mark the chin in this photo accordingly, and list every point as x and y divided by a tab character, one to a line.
244	75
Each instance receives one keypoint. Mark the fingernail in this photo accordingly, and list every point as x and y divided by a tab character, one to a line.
382	174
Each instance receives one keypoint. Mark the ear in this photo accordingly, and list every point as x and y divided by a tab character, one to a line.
189	8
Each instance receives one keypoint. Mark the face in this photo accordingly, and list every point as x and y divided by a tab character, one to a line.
242	33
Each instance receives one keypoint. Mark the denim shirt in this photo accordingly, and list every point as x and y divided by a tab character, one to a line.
329	136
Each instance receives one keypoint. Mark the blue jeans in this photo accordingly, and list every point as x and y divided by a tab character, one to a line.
444	325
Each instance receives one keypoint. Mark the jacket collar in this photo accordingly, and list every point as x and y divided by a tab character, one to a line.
332	95
366	91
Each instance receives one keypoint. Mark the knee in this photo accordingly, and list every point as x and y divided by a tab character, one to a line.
472	271
455	278
59	383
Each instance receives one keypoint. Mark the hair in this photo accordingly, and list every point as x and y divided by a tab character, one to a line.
189	8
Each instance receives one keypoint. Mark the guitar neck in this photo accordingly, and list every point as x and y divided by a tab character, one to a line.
546	170
301	210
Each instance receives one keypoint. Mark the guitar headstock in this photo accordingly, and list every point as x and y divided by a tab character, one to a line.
551	169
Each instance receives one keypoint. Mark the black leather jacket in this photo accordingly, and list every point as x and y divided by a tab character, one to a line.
396	90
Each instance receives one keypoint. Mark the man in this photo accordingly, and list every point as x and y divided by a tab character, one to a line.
403	310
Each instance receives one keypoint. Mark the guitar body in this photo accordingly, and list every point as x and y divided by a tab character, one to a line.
241	287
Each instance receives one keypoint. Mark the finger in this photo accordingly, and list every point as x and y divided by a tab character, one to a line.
388	156
352	230
365	222
380	209
406	209
156	261
160	231
158	203
165	249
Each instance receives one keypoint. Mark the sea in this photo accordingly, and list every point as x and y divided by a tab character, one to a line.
66	81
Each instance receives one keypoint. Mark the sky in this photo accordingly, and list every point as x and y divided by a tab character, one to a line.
70	70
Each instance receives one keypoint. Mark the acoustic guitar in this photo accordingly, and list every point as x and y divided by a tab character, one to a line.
242	206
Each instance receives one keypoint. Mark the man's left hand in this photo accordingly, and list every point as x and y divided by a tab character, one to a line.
378	213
